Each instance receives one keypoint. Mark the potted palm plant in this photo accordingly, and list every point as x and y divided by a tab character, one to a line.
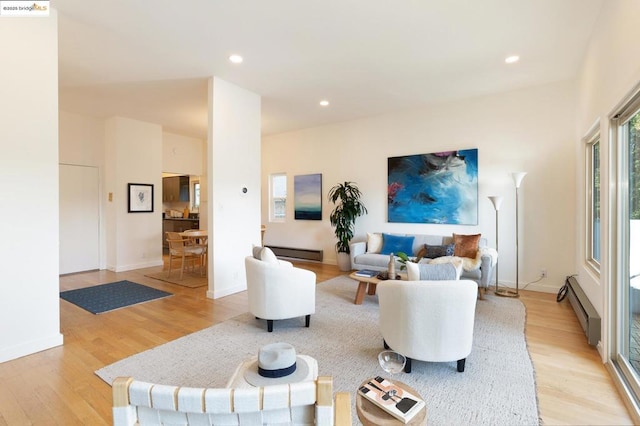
346	198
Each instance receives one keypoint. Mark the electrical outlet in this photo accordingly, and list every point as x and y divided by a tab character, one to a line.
543	273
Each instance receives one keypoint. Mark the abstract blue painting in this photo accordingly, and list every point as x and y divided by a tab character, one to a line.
441	188
307	200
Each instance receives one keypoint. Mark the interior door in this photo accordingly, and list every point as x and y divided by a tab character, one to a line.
79	218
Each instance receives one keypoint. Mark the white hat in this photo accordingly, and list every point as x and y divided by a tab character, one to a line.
277	363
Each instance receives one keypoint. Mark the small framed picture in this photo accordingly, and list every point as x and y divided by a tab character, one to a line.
140	198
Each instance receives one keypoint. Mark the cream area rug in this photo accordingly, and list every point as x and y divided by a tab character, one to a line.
496	388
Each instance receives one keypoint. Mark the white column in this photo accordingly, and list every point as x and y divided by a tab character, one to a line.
233	164
30	304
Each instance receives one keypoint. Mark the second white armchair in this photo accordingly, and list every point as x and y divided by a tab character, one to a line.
428	320
277	290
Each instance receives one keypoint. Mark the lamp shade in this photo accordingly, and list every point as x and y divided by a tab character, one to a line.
517	178
496	200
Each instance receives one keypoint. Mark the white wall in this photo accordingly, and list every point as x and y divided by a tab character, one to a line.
81	139
182	154
610	71
233	163
133	155
30	304
529	130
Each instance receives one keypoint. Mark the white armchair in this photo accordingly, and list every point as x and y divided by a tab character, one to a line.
277	290
428	320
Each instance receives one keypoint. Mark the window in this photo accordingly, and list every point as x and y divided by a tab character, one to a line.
196	195
277	197
593	201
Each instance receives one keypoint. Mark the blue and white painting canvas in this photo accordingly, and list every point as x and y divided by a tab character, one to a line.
307	198
441	188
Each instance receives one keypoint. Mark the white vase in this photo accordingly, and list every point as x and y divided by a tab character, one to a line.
391	269
344	261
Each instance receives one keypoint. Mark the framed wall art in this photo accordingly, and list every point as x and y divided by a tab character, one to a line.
140	198
307	198
441	188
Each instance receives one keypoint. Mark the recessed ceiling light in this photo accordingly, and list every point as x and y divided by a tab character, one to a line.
324	103
236	59
512	59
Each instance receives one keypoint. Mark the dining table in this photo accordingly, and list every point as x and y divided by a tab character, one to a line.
195	234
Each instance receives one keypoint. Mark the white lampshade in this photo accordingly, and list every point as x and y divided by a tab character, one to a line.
517	178
496	200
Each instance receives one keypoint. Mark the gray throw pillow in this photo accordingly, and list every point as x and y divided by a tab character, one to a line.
256	252
431	272
438	251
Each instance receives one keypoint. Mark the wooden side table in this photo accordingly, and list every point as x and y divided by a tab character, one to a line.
372	415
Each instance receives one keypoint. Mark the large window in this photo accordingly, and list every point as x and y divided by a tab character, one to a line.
277	197
593	201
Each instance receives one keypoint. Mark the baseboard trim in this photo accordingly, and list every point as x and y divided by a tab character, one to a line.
31	347
149	264
226	292
539	287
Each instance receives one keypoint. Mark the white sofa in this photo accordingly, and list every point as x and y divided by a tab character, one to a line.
273	284
428	320
360	259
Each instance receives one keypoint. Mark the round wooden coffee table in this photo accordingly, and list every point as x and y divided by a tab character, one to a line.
372	282
372	415
363	282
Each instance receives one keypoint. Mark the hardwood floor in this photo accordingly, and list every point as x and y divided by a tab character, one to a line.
58	386
573	384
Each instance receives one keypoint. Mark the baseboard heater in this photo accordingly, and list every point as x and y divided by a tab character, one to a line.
587	315
296	253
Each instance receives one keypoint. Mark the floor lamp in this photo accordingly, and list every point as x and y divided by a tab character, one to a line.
517	180
497	202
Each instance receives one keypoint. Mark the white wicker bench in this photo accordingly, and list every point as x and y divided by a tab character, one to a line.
302	403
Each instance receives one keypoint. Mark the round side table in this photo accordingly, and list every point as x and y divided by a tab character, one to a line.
372	415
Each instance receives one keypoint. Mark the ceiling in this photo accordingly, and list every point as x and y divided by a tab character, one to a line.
151	60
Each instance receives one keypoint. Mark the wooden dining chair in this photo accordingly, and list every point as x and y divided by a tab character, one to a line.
201	241
183	248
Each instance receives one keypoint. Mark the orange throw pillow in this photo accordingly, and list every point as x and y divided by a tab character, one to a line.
466	245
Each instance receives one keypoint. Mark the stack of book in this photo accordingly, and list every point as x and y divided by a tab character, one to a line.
393	399
369	273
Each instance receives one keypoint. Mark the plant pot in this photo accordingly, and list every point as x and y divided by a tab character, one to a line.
344	261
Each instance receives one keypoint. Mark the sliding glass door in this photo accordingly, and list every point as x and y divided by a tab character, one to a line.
627	270
632	133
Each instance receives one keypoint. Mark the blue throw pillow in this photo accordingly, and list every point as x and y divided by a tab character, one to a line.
396	243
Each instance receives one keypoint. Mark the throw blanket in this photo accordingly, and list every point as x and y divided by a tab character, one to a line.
469	264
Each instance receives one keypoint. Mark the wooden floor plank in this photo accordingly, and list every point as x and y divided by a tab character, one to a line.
59	386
